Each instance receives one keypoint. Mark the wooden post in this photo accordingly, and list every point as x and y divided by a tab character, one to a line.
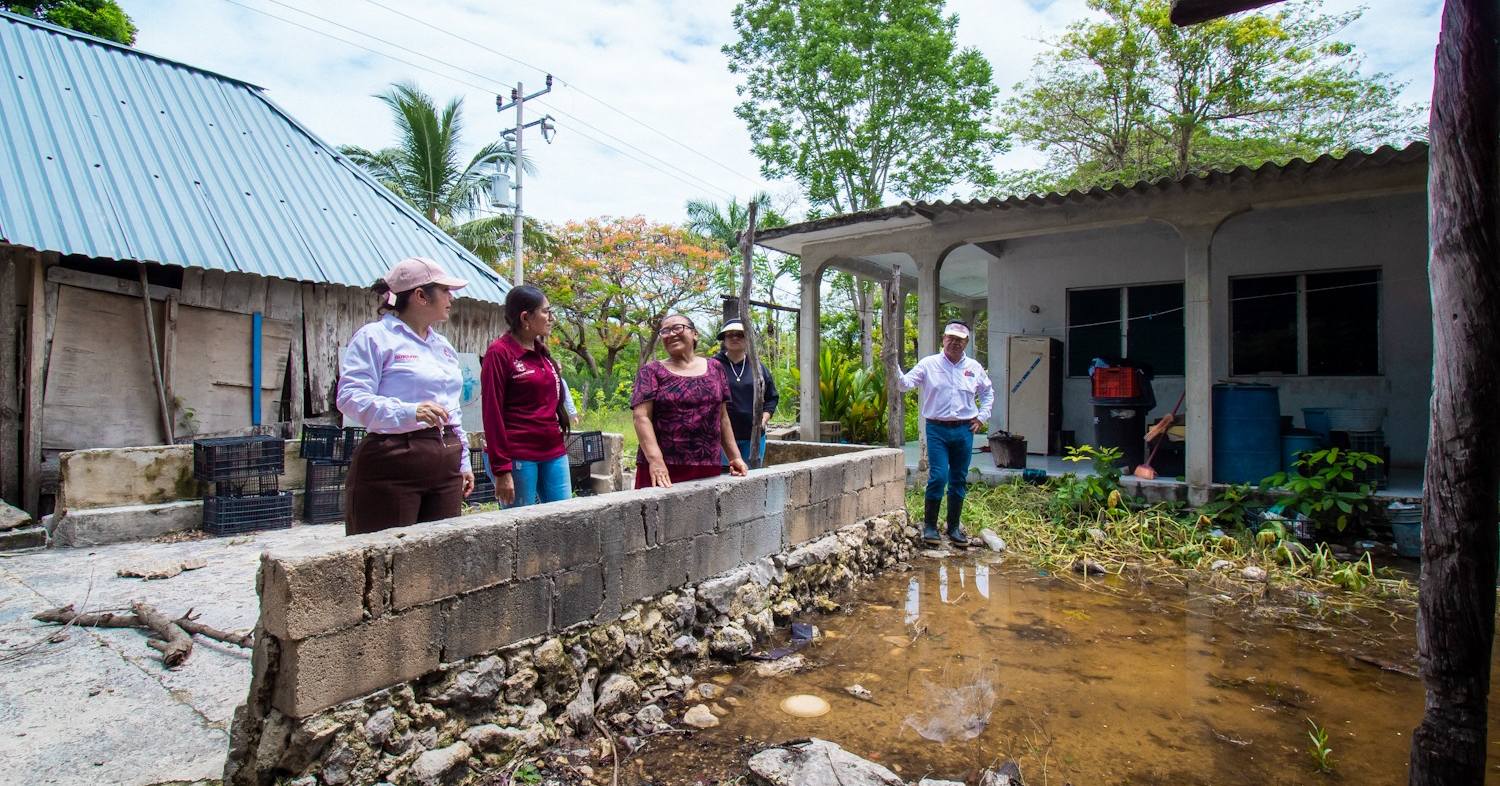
892	324
169	356
10	385
757	378
1456	615
156	373
37	321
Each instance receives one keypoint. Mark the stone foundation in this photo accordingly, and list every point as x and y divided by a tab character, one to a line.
417	655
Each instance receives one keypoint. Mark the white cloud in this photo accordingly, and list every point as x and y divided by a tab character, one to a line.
658	60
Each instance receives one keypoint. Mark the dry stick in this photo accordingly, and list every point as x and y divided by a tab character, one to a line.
189	622
88	619
752	358
614	749
175	644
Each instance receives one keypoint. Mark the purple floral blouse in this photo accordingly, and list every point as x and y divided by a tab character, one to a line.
684	412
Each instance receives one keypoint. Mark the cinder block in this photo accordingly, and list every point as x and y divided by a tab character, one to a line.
683	512
556	538
762	537
636	524
890	465
319	672
716	552
741	500
486	620
843	510
443	561
656	570
894	496
577	596
870	502
778	492
799	488
827	479
301	596
857	473
799	524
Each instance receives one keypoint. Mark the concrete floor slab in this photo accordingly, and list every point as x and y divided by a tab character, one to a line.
97	706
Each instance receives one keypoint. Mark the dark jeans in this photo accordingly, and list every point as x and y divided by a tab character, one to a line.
949	449
396	480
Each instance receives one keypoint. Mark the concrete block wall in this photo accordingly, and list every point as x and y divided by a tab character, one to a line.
359	614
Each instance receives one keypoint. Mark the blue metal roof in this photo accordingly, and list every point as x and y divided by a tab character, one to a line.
109	152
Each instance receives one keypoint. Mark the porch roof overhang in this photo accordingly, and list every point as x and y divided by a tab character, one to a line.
1180	201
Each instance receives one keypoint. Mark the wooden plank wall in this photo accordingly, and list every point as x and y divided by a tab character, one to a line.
10	381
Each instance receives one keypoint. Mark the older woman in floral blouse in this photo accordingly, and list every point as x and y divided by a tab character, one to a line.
681	413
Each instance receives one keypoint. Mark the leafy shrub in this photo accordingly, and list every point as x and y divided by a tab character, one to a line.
1326	490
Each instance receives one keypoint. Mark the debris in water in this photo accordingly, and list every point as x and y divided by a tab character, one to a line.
860	692
1089	567
1253	573
783	666
700	717
804	705
955	713
995	542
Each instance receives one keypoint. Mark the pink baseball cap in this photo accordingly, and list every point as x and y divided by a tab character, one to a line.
414	272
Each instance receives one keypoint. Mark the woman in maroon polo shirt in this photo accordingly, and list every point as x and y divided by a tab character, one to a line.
681	413
521	397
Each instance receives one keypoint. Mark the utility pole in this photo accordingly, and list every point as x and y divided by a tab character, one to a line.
518	99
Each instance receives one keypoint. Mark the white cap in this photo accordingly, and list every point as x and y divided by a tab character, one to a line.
956	329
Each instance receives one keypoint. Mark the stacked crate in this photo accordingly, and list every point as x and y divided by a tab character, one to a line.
584	448
484	485
246	474
328	451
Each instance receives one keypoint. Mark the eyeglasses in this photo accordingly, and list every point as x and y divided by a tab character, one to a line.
671	330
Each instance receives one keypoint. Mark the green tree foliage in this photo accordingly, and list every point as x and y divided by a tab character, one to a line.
1131	97
102	18
852	97
426	170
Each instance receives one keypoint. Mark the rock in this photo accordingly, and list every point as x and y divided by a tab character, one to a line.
580	711
490	737
606	645
859	692
650	715
936	553
699	716
1009	774
617	691
1253	573
685	647
731	643
309	780
380	726
992	540
781	666
786	608
536	736
477	685
533	712
815	553
427	738
936	782
549	657
12	518
520	686
1097	534
337	764
307	742
824	604
819	763
718	709
434	767
761	624
719	592
1220	564
1089	567
710	691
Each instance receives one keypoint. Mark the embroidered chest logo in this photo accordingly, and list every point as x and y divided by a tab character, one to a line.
405	357
522	370
968	373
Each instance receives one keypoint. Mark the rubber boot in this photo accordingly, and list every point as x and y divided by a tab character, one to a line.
955	530
930	534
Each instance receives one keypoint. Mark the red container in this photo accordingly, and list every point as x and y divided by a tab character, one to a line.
1117	382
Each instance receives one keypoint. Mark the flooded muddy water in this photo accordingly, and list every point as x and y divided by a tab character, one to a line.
969	661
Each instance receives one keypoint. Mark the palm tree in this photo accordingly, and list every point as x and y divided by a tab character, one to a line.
426	171
707	219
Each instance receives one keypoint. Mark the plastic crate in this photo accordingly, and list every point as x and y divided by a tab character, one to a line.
581	481
329	443
323	501
251	486
238	515
585	447
1117	382
484	486
227	458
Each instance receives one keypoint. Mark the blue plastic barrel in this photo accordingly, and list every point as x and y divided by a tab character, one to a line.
1247	432
1316	419
1293	444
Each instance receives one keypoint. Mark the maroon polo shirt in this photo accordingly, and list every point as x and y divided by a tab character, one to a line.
519	392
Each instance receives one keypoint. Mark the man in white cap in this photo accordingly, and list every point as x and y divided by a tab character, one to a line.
955	394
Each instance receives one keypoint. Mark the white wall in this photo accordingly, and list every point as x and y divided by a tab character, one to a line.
1390	233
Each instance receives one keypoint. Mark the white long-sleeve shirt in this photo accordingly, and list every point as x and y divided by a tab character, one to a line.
388	370
951	391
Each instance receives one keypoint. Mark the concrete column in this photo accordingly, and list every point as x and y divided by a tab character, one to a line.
1197	291
809	344
971	316
928	301
997	355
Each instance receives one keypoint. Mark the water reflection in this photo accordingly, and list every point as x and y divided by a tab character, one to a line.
913	601
982	580
943	583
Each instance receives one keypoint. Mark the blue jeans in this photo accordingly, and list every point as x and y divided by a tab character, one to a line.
544	481
745	450
949	449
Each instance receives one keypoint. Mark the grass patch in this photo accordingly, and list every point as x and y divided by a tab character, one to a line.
614	421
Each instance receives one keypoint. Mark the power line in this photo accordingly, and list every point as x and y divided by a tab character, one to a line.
700	182
575	86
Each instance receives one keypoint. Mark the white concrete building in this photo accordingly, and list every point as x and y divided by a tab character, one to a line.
1309	276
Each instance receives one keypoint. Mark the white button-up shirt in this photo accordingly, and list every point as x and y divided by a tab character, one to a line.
388	370
951	391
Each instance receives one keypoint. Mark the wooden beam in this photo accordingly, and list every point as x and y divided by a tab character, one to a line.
36	366
892	324
169	357
10	384
1191	12
101	283
165	410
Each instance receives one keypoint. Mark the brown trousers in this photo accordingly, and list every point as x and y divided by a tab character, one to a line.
396	480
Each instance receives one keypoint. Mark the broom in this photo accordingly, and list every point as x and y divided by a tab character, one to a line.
1159	432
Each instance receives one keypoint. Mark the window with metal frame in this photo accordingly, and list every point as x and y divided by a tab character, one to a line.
1142	324
1306	324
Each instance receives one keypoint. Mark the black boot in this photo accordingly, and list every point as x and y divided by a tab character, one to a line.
955	530
929	522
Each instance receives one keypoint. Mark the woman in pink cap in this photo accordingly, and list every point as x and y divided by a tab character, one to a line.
401	381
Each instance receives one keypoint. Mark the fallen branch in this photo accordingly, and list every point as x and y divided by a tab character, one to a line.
613	750
174	643
89	619
189	622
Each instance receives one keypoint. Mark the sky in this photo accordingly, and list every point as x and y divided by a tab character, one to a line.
642	98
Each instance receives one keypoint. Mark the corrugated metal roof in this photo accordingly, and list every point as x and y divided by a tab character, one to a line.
109	152
1322	166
